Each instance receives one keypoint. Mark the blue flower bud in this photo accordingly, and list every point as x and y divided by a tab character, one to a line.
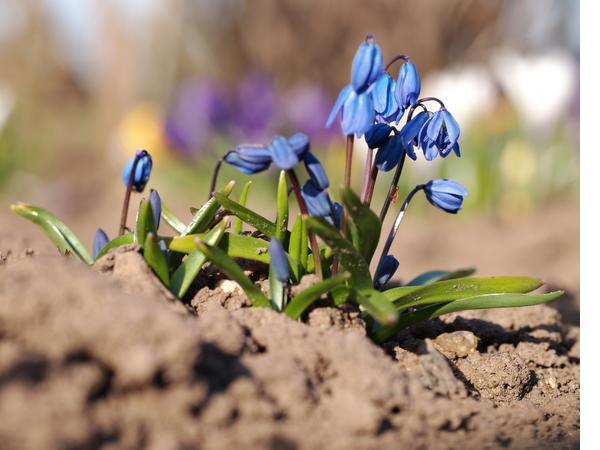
100	241
445	194
316	171
389	155
384	101
366	65
358	113
282	153
408	86
300	143
439	135
156	207
279	262
249	159
378	135
385	270
338	211
317	200
142	170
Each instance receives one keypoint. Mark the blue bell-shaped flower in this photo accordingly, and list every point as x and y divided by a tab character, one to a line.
439	135
249	159
389	155
408	86
384	101
317	200
378	135
410	131
142	170
446	194
366	65
100	241
385	270
279	262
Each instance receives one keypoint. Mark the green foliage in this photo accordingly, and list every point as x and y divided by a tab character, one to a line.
367	226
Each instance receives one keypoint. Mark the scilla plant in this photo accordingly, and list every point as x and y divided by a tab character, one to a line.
327	252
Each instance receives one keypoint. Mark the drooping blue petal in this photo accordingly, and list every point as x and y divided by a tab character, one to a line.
100	241
300	143
410	132
366	65
377	135
384	101
317	200
448	186
142	170
389	155
341	100
282	153
434	126
246	165
456	149
316	171
279	262
358	114
408	85
385	270
156	206
256	154
452	128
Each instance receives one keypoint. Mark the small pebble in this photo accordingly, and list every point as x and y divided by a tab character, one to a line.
229	286
459	343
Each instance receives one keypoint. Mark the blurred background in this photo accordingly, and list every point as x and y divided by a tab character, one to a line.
83	83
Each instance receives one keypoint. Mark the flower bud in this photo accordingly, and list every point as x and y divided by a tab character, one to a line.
142	170
446	194
366	65
156	207
408	86
385	270
384	101
279	262
378	135
100	241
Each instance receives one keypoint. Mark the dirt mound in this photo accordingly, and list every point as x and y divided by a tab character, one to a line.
107	359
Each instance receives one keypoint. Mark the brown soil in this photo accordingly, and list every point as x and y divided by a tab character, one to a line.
106	358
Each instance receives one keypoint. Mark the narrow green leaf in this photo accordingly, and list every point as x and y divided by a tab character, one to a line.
229	267
282	208
442	291
114	243
440	275
377	305
368	226
156	258
304	250
295	245
144	223
238	223
205	215
235	245
276	291
171	219
343	294
349	258
312	293
253	219
55	229
189	269
485	301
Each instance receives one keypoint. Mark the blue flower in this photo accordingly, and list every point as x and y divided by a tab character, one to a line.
100	241
317	200
358	113
249	159
385	270
316	171
366	65
410	132
156	207
283	153
279	262
384	101
445	194
142	170
378	135
408	86
439	135
389	155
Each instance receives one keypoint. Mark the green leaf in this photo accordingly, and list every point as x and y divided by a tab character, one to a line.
156	259
205	215
439	275
237	223
114	243
235	245
377	305
509	300
277	291
282	208
312	293
55	229
189	269
442	291
171	219
349	258
297	237
229	267
253	219
144	223
368	226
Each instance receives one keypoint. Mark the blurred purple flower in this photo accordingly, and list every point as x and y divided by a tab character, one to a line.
256	106
201	106
306	109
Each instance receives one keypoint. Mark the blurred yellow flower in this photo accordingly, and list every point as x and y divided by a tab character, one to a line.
142	128
518	162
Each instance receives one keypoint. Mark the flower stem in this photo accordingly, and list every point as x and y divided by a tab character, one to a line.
428	99
399	217
371	186
347	178
125	208
367	172
304	210
215	176
393	60
393	189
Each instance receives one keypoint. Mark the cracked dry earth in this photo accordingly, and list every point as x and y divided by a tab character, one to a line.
104	358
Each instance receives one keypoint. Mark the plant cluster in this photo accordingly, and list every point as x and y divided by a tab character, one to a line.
332	243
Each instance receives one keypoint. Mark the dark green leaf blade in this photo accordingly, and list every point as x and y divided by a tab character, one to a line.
144	223
204	216
55	229
368	226
114	243
171	219
238	223
282	208
156	258
253	219
348	256
312	293
440	275
377	305
235	245
295	246
486	301
229	267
